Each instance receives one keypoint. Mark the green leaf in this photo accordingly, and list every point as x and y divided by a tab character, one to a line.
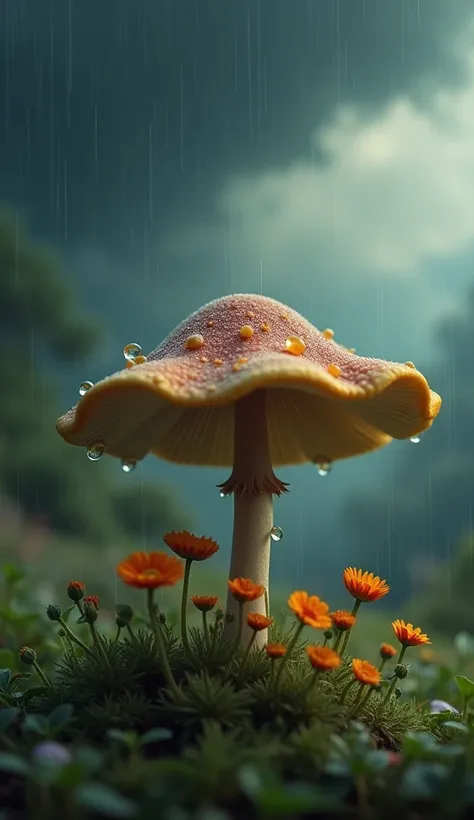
65	615
155	735
7	717
465	686
101	799
13	764
38	724
5	675
61	715
456	724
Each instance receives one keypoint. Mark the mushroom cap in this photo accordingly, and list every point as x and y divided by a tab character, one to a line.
323	401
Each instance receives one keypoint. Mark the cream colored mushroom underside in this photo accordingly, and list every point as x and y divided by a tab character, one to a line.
302	426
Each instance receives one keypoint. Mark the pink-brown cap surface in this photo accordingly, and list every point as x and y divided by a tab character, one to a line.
323	401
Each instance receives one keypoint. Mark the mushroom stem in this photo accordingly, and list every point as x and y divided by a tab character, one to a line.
253	484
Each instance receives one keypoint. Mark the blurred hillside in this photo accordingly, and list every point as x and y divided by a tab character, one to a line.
49	483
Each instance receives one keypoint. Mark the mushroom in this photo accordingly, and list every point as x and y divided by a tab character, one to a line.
249	383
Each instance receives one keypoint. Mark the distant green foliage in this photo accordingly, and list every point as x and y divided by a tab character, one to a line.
40	324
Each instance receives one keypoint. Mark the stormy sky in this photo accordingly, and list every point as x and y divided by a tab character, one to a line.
319	151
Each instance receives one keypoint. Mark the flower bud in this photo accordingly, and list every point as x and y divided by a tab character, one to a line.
90	612
162	617
27	655
93	600
229	618
398	692
53	611
328	634
401	671
75	590
219	614
124	615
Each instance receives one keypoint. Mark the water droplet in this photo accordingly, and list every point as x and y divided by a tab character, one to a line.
84	387
140	359
265	327
334	370
128	465
131	351
276	533
415	439
218	362
246	332
222	495
328	333
410	364
323	465
295	345
194	342
210	323
95	451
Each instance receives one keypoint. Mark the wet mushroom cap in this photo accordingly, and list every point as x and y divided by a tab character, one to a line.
323	401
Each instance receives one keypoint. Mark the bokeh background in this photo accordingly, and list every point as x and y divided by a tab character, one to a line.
156	154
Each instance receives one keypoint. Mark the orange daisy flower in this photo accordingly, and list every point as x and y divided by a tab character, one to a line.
150	570
275	650
387	651
343	619
243	589
365	672
190	547
364	586
258	622
408	635
310	610
204	602
322	657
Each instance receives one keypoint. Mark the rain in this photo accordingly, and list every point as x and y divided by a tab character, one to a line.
158	156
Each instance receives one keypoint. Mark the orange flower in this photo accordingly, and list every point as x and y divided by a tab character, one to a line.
408	635
258	622
190	547
322	657
343	620
243	589
365	672
275	650
364	586
387	651
75	590
310	610
150	570
204	602
92	600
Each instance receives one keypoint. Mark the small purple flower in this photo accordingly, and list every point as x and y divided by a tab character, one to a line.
437	706
51	753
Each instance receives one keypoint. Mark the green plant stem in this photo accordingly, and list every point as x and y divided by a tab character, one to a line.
131	633
117	635
41	674
267	603
99	647
157	631
364	700
338	640
348	634
245	658
73	638
284	660
205	629
346	689
184	602
394	681
312	681
382	664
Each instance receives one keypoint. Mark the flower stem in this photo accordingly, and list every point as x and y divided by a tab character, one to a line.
245	658
156	627
99	647
394	681
284	660
314	677
205	628
346	689
348	634
72	637
184	601
41	674
364	700
236	643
